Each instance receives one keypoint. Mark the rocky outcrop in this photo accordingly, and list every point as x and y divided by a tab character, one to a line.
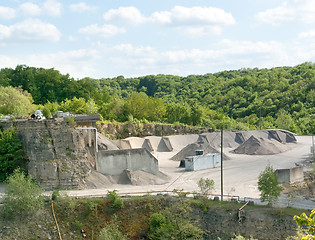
124	130
58	155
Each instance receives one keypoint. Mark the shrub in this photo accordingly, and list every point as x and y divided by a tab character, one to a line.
11	153
111	232
23	195
115	200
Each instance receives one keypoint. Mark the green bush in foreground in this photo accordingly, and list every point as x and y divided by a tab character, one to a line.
111	232
23	195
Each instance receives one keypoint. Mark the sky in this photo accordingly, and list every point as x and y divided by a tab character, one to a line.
132	38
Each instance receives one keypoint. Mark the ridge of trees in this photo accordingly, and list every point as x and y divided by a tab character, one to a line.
281	97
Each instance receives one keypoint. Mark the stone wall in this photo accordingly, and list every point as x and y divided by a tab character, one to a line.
124	130
58	155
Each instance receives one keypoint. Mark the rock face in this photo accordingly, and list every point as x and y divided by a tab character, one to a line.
59	155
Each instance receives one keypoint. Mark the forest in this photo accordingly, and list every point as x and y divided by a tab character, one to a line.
280	97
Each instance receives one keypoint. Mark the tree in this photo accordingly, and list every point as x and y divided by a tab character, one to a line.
206	186
78	105
11	153
15	101
268	185
309	221
23	195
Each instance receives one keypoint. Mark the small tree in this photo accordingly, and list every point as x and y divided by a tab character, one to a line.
206	186
23	195
268	185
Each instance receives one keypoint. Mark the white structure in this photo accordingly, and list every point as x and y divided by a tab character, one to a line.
199	162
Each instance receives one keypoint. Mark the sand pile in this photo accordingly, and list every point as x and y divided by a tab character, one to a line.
190	150
103	143
261	146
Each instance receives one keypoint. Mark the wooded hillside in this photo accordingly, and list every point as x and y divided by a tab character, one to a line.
284	97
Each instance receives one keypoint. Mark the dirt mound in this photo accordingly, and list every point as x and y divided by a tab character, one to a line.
260	146
190	150
104	143
141	178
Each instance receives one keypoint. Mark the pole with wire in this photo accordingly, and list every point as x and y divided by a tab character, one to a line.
221	164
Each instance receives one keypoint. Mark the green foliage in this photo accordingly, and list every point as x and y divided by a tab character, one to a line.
70	121
15	101
268	185
174	223
111	232
23	195
308	221
78	106
55	194
116	201
281	97
206	186
11	153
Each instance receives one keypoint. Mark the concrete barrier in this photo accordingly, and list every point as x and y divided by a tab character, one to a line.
116	161
291	175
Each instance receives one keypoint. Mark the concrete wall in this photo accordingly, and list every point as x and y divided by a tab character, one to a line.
194	163
114	162
291	175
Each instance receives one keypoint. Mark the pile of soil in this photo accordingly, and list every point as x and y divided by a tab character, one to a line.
103	143
260	146
190	150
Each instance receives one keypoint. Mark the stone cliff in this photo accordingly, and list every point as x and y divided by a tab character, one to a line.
58	155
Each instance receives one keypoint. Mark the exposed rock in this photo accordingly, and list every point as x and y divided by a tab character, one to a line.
58	155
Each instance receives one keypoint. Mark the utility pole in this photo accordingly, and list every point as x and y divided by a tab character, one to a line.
221	164
90	104
260	118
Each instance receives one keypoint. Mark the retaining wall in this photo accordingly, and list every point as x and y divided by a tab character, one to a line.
116	161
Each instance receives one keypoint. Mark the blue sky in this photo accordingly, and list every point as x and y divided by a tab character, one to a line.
109	38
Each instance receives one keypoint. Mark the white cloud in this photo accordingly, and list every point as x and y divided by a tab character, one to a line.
78	63
308	34
7	13
126	15
289	11
180	16
52	8
107	30
29	30
30	9
81	7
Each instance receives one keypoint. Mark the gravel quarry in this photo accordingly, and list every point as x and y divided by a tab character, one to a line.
246	154
240	170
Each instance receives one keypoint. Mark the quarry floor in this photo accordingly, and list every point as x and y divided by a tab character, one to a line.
240	175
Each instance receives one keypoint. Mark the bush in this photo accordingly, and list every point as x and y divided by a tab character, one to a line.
23	195
115	200
11	153
111	232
